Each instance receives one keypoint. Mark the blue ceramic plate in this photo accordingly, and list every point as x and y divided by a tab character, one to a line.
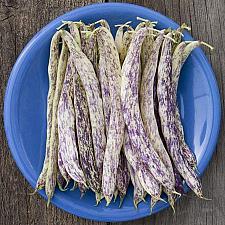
25	109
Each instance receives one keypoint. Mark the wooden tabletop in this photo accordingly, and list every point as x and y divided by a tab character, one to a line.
19	21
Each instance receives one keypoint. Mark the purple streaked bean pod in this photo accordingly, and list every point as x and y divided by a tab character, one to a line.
51	176
83	125
62	140
130	153
62	184
119	39
83	129
74	30
177	35
167	108
115	134
84	36
127	37
61	148
149	183
180	55
61	165
52	73
105	24
123	177
177	59
147	105
139	192
66	125
61	151
179	181
132	115
75	185
104	85
147	45
91	86
102	22
82	189
92	52
140	26
144	176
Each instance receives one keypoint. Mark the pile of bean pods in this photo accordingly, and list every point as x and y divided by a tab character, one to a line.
112	114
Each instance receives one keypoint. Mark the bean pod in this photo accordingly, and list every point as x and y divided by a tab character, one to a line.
180	55
123	177
83	130
90	82
52	73
127	37
67	131
116	124
132	114
167	117
139	192
147	105
54	141
142	174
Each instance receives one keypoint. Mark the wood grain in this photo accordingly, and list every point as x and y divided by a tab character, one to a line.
19	21
206	19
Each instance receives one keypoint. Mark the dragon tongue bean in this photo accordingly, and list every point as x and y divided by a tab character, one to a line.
139	192
119	40
84	36
74	30
123	176
181	53
62	140
83	125
82	189
66	125
54	141
61	165
132	115
144	177
147	45
147	104
116	125
105	24
127	37
62	183
83	128
92	52
91	86
52	73
95	109
104	84
167	114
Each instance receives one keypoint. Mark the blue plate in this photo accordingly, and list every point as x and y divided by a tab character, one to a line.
25	109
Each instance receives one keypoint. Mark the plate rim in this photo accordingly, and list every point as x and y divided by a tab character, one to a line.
216	101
